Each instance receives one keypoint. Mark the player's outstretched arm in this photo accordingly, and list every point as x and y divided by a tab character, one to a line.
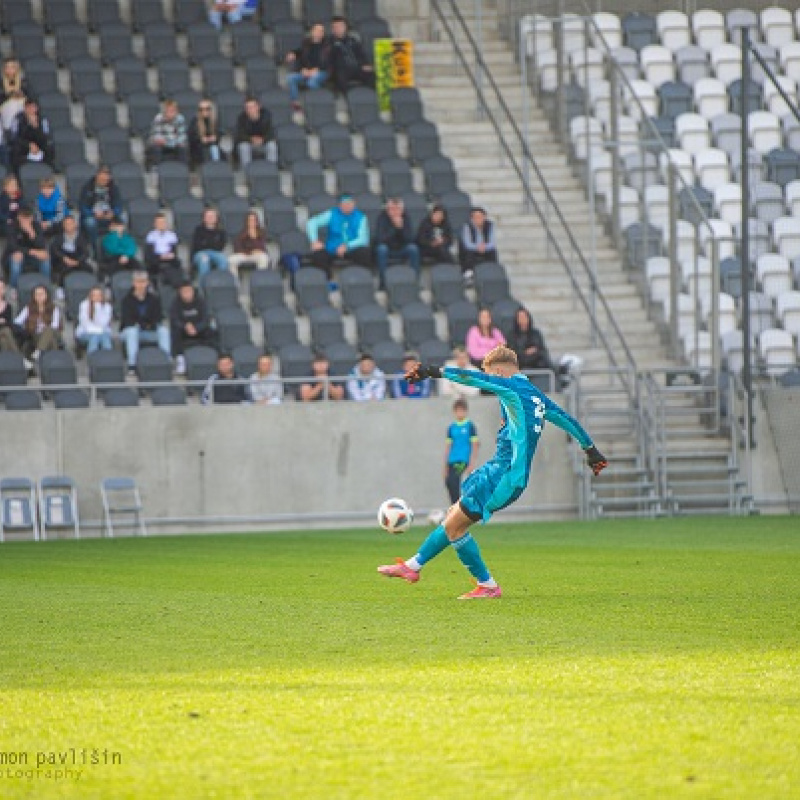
561	419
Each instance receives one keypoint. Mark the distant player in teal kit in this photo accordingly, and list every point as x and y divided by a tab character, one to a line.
502	479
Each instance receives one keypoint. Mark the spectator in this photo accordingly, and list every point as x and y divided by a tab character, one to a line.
33	142
255	137
141	319
161	253
394	238
118	250
266	388
229	11
8	341
528	343
168	140
51	206
39	324
69	252
94	322
13	91
461	452
435	236
4	152
402	388
26	249
347	239
366	381
483	337
99	202
477	243
320	388
205	135
208	244
218	390
349	62
250	245
448	388
310	64
10	203
190	324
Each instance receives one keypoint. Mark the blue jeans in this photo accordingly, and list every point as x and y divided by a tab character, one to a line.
205	260
96	341
134	335
17	262
383	253
294	80
215	18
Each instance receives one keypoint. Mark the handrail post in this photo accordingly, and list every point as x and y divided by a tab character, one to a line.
616	221
481	109
674	267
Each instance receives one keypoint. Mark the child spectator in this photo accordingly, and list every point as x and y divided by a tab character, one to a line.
51	206
39	323
483	337
118	250
190	324
161	253
478	243
10	203
310	62
141	319
219	391
99	202
250	245
168	139
402	388
266	388
208	244
367	382
320	388
26	248
435	236
69	251
461	451
94	322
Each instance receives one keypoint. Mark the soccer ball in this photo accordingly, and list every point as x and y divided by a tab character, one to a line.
395	515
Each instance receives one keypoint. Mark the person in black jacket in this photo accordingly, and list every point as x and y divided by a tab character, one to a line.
141	319
528	343
208	244
218	390
99	202
435	236
310	62
189	324
205	135
394	238
26	248
69	251
349	62
255	137
34	140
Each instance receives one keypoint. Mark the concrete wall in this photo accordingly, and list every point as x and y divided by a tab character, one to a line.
287	464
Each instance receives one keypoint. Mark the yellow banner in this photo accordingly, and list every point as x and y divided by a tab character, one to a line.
394	67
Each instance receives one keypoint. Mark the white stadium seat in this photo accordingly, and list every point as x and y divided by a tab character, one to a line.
711	168
606	33
673	29
697	347
792	191
547	67
722	232
765	131
710	97
774	274
726	60
656	202
773	98
776	26
692	62
699	277
585	132
728	202
537	32
692	132
790	60
733	348
658	280
574	38
627	59
682	162
658	66
709	29
587	66
727	311
786	236
645	93
686	235
776	347
787	306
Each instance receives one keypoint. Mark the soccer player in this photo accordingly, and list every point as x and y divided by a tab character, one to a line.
501	480
461	452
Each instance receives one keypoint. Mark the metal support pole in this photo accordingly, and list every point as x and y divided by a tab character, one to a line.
592	195
674	267
745	242
526	133
480	111
714	325
616	222
561	112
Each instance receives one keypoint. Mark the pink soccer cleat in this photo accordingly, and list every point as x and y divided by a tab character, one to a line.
399	570
482	592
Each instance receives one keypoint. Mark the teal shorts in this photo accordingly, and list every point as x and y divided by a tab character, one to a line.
482	493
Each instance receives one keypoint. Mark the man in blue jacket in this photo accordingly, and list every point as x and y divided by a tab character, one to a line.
347	237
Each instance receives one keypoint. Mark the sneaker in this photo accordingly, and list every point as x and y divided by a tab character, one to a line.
180	365
482	593
399	570
469	278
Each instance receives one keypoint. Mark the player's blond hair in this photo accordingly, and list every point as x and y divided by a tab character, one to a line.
500	355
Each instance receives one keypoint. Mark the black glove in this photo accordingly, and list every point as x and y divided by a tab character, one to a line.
419	373
595	459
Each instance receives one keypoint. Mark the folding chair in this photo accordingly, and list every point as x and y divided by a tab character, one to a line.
121	498
58	505
18	507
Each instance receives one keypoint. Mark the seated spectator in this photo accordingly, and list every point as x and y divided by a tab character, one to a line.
218	390
229	11
394	238
477	243
528	343
435	236
320	388
255	137
349	62
10	203
168	139
39	324
205	135
8	340
4	151
483	337
310	64
69	252
250	245
190	324
51	206
366	381
208	244
94	322
402	388
347	238
141	319
118	250
266	388
13	91
33	140
161	253
26	248
99	202
448	388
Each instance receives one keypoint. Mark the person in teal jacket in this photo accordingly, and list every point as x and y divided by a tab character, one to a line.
346	239
118	250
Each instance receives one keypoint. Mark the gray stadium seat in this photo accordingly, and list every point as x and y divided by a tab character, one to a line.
121	283
106	366
121	397
145	13
248	43
447	285
159	42
245	357
457	205
217	179
13	13
23	400
371	205
308	179
504	312
56	108
201	362
767	201
229	105
311	289
129	177
173	181
42	75
263	179
153	365
326	326
351	176
114	143
218	75
319	203
72	42
295	361
279	216
27	282
173	76
423	141
389	356
357	287
76	288
275	11
402	286
142	108
260	73
753	96
57	367
12	369
116	43
233	327
440	176
419	324
288	35
99	111
266	291
380	142
189	12
371	29
71	398
396	177
692	64
317	11
294	242
292	144
27	40
29	176
639	30
203	43
280	327
58	13
434	351
676	98
187	213
357	11
362	106
642	242
491	283
461	316
168	396
372	325
319	108
221	290
406	107
783	166
342	357
335	143
276	99
101	12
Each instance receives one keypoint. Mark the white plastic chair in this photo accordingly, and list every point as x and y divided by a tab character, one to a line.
682	162
547	67
773	99
656	203
711	168
710	97
786	236
787	307
628	206
774	274
658	65
764	129
709	28
686	236
776	26
692	62
608	31
627	59
728	202
790	60
720	231
585	132
673	29
537	32
776	347
792	190
587	61
647	97
574	34
697	347
693	132
727	311
726	60
733	348
699	278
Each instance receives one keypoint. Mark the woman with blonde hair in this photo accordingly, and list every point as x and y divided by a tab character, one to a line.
205	135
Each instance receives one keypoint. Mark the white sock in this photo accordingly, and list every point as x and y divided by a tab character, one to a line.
490	584
412	563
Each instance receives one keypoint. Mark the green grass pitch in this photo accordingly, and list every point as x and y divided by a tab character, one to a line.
626	660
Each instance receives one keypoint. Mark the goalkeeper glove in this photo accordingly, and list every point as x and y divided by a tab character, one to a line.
595	459
419	373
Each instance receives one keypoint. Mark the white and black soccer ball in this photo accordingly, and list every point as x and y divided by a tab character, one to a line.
395	515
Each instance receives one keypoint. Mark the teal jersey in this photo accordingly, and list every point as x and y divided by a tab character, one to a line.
461	436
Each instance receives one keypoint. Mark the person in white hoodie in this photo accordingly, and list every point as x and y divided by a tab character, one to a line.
94	322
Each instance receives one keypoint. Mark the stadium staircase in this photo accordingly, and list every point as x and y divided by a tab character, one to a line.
670	451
